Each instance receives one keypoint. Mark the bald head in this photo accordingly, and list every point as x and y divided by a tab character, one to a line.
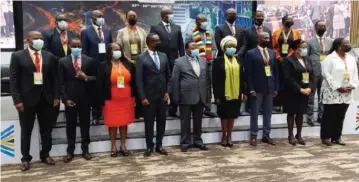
264	39
97	14
61	17
231	15
98	18
32	35
165	11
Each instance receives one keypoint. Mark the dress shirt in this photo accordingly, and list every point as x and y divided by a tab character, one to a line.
79	61
302	63
152	56
318	38
233	26
195	65
96	30
264	52
169	26
32	55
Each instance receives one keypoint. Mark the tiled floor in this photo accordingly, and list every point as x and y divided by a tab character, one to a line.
313	162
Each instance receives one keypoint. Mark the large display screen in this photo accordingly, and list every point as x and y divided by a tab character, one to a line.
7	31
41	15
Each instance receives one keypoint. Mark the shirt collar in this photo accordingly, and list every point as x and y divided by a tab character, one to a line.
58	30
164	23
191	58
234	23
150	52
258	26
319	37
73	57
96	27
32	52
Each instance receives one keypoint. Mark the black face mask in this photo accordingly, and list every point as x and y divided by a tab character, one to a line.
347	48
288	24
259	21
231	20
265	44
132	21
321	31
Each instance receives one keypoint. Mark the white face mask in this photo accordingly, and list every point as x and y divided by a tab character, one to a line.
62	25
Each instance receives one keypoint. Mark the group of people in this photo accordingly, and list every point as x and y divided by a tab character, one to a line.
147	71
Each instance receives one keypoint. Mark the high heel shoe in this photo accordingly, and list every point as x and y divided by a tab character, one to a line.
125	153
223	143
113	154
300	140
229	144
292	140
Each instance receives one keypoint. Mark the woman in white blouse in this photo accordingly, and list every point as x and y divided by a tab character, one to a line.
340	78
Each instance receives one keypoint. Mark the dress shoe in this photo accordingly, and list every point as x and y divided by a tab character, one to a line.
300	140
253	142
292	140
339	142
326	142
96	121
124	153
201	147
224	142
148	152
161	151
48	161
68	158
113	154
87	156
310	122
184	149
140	118
25	166
268	140
210	114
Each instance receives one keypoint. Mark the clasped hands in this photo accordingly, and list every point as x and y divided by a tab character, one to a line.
305	91
81	75
346	89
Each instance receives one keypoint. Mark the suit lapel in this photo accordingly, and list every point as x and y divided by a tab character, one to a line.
260	54
191	67
57	40
70	65
94	35
45	64
152	62
226	28
29	60
165	30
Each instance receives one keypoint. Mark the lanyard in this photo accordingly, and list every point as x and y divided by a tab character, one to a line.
286	36
118	67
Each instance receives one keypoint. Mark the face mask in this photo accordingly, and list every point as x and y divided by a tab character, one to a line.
303	52
259	21
288	23
230	51
170	18
116	54
37	44
231	20
100	21
265	43
76	51
194	52
321	31
347	48
62	25
204	25
132	21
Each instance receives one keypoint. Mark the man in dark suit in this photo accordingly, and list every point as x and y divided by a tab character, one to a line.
171	42
94	40
152	77
56	41
189	86
263	84
318	48
34	89
77	73
233	29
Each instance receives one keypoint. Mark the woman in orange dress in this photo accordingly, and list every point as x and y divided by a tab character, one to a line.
116	91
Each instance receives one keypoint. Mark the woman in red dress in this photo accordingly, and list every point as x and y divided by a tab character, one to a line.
116	91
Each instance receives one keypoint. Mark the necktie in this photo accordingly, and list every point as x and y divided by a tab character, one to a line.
100	34
168	28
76	63
321	45
155	59
266	61
259	29
195	66
63	38
37	62
231	26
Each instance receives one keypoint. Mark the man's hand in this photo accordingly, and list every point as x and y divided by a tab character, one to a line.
244	98
81	75
166	97
253	94
56	102
20	107
145	102
218	101
308	90
303	91
69	103
275	93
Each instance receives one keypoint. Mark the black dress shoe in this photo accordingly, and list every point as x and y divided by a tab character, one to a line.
300	140
87	156
68	158
339	142
210	114
113	154
292	140
326	142
25	166
148	152
161	151
253	142
268	140
48	161
184	149
310	122
201	147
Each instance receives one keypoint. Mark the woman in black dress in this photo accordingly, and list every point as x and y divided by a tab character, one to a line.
298	80
228	86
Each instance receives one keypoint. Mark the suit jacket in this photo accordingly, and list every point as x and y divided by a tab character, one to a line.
189	37
186	87
219	78
90	41
314	53
22	87
72	88
103	81
292	74
224	30
52	42
296	35
173	47
152	83
255	72
252	37
123	38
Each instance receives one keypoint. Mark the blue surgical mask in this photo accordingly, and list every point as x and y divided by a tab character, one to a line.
100	21
116	54
204	25
37	44
76	51
230	51
194	53
170	18
303	52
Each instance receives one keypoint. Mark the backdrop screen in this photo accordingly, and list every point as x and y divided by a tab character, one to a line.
7	31
40	15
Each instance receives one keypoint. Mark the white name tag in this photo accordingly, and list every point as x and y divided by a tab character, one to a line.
38	78
101	48
267	71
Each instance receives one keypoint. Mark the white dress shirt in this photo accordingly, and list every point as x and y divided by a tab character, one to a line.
79	61
169	26
318	38
333	69
195	65
96	30
153	58
233	26
32	55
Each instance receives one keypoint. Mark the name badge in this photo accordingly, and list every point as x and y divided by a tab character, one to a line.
322	57
285	48
65	48
121	82
134	49
101	48
38	78
346	77
267	71
305	78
